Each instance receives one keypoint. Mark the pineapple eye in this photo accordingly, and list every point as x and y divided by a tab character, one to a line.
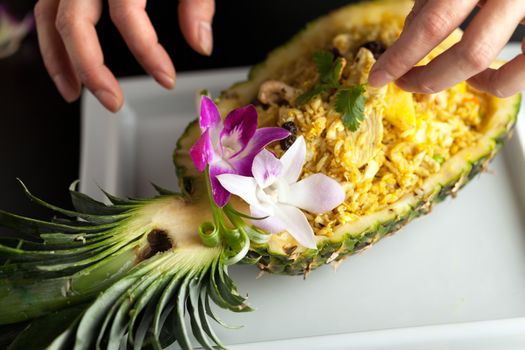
158	242
188	185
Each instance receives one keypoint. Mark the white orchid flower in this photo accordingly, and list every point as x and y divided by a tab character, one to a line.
274	192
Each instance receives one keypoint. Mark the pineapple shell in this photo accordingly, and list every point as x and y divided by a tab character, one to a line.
282	257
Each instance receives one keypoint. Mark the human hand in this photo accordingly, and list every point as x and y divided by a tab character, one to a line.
429	23
73	56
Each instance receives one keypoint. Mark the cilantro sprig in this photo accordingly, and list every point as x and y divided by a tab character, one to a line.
329	73
349	101
329	69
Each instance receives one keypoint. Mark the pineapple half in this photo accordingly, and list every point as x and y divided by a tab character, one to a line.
142	273
282	254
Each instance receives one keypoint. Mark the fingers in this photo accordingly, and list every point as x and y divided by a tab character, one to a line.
482	2
505	81
132	21
484	38
75	22
434	22
53	51
195	18
418	5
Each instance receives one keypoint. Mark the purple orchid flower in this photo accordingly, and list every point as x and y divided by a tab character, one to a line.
229	147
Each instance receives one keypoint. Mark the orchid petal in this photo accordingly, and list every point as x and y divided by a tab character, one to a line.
271	224
296	224
202	151
262	137
266	168
317	194
242	186
209	114
293	161
220	195
239	128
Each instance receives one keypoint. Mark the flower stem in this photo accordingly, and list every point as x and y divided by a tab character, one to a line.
209	234
214	233
252	233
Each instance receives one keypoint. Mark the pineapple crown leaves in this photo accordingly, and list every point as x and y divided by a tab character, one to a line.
349	102
152	303
78	284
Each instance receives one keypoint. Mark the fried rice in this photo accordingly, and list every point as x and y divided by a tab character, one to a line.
413	134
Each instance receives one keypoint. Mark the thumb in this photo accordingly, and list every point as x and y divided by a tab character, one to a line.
195	17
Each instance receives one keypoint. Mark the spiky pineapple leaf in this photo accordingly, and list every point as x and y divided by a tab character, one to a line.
41	332
91	218
193	309
88	205
9	332
163	191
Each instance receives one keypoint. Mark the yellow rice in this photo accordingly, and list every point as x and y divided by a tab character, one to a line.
445	123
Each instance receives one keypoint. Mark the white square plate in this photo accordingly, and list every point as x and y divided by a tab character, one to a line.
454	279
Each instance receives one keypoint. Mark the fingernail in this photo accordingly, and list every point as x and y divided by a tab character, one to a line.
379	77
205	37
108	99
65	88
165	80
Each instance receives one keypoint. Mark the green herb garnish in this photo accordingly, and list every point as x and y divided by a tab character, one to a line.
329	74
308	95
329	69
350	102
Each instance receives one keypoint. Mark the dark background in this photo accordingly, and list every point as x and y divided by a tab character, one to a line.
39	132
